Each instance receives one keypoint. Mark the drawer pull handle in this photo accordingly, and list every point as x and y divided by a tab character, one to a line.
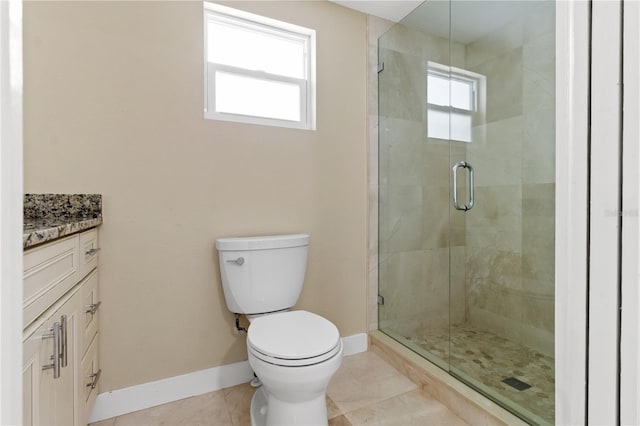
63	340
94	379
91	252
55	357
92	308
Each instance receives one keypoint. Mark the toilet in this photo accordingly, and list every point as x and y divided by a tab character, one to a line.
293	353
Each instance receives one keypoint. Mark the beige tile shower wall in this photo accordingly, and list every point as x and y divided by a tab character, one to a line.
114	105
538	176
414	232
510	232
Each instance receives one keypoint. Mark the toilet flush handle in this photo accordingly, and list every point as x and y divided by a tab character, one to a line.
238	261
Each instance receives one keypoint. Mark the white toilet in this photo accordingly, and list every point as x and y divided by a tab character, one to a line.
293	353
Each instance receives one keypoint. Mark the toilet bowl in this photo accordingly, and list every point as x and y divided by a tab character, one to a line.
294	354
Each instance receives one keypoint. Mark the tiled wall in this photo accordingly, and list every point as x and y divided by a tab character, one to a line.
510	231
500	254
415	236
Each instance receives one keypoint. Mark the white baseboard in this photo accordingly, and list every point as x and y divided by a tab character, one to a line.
147	395
355	344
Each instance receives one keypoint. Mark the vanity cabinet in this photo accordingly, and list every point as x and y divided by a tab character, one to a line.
60	345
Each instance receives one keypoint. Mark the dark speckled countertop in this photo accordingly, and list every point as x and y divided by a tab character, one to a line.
51	216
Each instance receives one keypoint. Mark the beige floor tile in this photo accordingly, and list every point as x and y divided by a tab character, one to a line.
339	421
365	390
365	379
207	409
408	409
239	403
332	409
367	365
107	422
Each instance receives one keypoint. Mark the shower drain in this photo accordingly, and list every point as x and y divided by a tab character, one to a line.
516	384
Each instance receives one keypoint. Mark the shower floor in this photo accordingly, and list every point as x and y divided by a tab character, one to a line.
484	360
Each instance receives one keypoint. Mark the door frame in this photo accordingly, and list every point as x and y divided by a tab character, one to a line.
572	135
11	200
630	261
604	213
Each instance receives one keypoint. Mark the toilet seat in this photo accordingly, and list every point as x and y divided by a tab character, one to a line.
293	339
304	362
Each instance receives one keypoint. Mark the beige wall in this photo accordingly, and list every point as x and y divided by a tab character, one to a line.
114	105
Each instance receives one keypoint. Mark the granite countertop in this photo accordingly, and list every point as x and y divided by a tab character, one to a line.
51	216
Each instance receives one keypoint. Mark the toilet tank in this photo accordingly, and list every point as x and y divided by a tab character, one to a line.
262	274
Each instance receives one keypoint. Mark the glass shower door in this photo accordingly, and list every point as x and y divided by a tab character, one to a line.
504	345
467	194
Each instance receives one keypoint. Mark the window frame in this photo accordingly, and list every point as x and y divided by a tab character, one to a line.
477	84
268	26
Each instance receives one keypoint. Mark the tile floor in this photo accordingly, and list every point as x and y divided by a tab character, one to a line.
365	390
487	359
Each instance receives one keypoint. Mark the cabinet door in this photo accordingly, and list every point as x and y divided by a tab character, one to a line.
49	367
38	384
89	373
65	398
88	380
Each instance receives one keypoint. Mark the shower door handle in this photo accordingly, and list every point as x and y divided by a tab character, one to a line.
454	171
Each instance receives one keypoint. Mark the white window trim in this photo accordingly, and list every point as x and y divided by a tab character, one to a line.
307	85
478	88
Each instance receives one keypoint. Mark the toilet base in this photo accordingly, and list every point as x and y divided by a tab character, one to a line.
259	407
309	413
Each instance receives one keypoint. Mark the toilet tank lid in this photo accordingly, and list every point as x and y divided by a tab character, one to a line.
260	243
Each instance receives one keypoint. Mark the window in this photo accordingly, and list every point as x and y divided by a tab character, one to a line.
452	101
258	70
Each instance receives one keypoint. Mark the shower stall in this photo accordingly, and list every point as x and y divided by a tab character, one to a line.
466	104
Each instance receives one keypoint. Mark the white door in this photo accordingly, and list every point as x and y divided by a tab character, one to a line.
614	373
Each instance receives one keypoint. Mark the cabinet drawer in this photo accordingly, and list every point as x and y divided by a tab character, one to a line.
88	380
49	272
90	310
88	251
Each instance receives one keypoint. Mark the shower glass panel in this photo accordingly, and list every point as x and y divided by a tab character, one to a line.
414	224
466	194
